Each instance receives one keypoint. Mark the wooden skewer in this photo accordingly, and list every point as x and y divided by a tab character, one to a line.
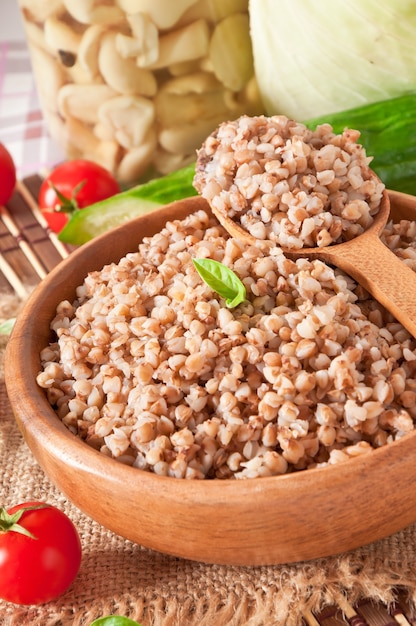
350	613
397	614
22	243
309	618
13	279
400	619
37	213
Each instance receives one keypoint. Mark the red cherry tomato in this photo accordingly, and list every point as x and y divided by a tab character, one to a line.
7	175
71	186
38	567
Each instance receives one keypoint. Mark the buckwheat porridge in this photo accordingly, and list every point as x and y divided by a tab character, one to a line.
285	183
151	368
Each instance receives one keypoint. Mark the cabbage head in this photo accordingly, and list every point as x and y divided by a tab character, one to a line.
314	57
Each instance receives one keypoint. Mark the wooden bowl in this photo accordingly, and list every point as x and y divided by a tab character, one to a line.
314	513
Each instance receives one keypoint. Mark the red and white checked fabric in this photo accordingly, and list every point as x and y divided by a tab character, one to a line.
22	127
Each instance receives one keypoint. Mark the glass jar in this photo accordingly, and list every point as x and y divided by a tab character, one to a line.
137	85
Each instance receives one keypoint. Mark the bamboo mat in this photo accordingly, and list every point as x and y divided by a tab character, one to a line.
28	251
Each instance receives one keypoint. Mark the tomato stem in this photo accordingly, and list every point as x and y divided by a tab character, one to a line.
67	205
9	521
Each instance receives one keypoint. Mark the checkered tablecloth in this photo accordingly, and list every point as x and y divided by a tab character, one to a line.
22	128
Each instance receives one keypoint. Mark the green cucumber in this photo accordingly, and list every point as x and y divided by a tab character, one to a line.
388	133
102	216
114	620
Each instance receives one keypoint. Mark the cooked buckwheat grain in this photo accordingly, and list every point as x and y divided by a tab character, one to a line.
152	369
288	184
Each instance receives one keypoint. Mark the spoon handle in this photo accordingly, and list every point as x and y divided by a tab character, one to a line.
383	274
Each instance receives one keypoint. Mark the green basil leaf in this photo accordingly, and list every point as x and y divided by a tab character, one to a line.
114	620
6	327
222	280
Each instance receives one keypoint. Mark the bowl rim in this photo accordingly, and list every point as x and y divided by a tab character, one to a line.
26	324
214	495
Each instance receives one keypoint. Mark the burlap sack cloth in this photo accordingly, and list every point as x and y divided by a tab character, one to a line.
119	577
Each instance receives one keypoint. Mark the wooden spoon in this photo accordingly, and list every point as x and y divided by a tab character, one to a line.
366	259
